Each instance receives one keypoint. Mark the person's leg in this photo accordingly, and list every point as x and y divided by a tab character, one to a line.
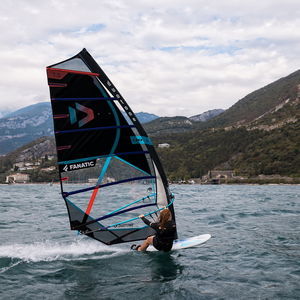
146	243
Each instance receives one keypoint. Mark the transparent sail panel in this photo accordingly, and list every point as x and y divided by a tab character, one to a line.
113	187
161	191
75	64
116	205
106	170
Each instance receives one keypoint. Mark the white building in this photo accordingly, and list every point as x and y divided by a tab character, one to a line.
164	145
49	169
24	166
17	178
18	165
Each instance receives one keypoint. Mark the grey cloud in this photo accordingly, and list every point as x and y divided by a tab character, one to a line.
172	56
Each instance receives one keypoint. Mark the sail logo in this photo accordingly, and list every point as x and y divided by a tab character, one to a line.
140	140
77	166
73	114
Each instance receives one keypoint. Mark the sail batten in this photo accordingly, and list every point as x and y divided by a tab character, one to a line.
108	166
108	184
101	156
90	129
85	99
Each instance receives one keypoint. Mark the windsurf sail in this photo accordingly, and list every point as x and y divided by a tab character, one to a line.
109	170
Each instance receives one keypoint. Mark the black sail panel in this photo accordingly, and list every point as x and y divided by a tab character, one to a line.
100	152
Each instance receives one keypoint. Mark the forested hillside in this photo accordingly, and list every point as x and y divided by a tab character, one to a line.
247	152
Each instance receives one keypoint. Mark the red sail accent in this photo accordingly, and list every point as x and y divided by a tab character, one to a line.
61	116
59	148
55	73
91	202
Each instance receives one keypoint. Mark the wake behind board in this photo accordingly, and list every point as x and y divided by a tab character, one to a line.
187	243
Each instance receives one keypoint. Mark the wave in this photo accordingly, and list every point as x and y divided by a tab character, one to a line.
51	251
11	265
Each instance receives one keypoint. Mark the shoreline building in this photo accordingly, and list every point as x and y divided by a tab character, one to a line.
17	178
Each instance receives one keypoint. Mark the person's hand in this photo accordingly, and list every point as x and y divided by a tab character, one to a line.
141	216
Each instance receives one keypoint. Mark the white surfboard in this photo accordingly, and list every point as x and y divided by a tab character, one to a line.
187	243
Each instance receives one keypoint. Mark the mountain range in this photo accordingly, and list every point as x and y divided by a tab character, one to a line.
35	121
273	105
25	125
257	135
207	115
269	107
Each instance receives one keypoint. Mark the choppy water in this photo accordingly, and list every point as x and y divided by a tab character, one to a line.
254	252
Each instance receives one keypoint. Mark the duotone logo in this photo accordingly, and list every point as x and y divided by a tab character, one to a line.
73	114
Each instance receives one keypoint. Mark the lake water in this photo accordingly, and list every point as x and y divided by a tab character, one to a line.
254	252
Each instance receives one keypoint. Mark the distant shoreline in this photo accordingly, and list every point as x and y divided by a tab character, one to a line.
173	183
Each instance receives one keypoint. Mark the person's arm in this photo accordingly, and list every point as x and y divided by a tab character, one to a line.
147	222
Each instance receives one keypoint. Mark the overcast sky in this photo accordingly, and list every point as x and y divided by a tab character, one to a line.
167	57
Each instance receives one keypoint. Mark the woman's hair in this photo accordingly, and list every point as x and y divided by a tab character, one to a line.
164	217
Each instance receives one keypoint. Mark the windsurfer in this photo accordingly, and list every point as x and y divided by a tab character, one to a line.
165	232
